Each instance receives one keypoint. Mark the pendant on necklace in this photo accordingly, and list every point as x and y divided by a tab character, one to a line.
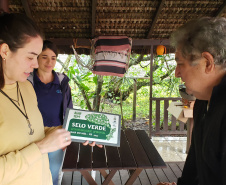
17	101
29	125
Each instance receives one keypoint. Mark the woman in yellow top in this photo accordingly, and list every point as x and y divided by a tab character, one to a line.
24	144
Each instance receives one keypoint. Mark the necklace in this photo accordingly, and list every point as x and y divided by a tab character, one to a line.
25	112
17	86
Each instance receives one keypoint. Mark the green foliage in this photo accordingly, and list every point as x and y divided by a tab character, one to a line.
84	82
168	86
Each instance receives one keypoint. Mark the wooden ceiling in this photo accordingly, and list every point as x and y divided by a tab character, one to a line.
147	22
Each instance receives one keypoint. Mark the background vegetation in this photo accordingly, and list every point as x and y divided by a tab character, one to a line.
115	94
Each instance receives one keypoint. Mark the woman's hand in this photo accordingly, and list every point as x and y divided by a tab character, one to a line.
58	139
92	144
167	183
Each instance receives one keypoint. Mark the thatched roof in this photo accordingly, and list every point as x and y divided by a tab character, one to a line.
150	20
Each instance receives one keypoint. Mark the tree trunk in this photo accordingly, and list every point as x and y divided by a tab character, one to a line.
79	86
96	102
123	124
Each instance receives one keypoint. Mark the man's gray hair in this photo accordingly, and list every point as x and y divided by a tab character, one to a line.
205	34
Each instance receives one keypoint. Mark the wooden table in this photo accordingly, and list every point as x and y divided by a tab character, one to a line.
136	152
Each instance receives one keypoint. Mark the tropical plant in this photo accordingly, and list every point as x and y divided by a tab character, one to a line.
94	91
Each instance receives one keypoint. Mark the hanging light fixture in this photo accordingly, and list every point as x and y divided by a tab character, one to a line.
161	50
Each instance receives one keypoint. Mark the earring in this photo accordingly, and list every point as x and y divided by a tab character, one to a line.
4	59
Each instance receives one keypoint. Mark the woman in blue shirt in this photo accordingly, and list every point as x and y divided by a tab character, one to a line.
54	97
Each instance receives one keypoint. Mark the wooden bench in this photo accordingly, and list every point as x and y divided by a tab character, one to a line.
136	152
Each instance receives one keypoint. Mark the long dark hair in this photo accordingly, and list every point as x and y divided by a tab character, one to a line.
49	45
15	30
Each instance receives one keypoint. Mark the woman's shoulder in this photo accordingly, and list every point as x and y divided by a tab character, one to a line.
62	77
27	89
26	86
31	78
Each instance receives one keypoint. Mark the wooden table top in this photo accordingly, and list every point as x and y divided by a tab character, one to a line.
136	151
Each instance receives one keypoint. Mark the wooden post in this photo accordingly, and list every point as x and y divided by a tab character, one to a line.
4	5
134	99
165	125
150	100
94	5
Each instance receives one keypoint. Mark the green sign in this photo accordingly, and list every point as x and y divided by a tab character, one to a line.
85	128
84	125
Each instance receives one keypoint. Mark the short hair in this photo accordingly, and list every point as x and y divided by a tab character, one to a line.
15	30
50	45
205	34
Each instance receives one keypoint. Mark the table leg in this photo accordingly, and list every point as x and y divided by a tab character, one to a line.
108	177
88	177
134	176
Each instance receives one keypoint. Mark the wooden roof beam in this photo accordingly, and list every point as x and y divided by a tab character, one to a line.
4	5
221	10
157	13
26	8
94	5
149	42
86	42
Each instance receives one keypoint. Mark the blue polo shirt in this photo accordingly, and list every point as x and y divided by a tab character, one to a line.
50	100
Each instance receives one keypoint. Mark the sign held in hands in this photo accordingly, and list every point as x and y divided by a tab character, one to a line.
103	128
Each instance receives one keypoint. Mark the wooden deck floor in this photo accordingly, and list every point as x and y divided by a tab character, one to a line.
147	177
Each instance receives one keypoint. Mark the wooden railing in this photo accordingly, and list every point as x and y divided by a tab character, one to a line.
162	122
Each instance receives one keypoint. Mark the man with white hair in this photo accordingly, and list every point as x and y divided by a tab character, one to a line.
201	64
